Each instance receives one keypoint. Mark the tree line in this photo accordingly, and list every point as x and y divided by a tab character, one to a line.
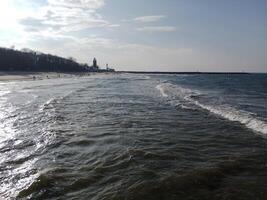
28	60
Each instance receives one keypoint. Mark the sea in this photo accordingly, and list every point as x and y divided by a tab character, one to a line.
135	137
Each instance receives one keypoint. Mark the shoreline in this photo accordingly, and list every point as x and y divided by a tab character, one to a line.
28	76
6	76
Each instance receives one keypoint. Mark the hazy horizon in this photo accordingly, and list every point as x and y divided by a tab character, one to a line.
151	35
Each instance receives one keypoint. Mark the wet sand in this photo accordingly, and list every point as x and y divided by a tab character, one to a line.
16	76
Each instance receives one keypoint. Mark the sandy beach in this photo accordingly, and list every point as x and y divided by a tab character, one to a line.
16	76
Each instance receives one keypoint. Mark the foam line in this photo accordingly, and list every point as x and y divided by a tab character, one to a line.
225	111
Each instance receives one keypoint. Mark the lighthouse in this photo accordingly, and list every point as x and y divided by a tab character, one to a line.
95	63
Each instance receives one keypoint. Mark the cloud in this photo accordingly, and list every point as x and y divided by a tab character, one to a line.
157	29
83	4
61	16
153	18
147	19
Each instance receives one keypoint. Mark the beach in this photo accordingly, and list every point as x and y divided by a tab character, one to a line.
24	76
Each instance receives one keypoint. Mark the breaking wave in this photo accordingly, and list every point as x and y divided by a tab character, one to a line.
185	97
161	89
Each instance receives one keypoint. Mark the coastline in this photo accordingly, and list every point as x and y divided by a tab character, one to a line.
6	76
27	76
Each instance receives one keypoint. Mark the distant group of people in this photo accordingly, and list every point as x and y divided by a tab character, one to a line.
34	77
58	76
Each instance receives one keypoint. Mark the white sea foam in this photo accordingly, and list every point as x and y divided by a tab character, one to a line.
225	111
161	89
47	104
177	94
232	114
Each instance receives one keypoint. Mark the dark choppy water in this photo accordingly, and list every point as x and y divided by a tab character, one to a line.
133	137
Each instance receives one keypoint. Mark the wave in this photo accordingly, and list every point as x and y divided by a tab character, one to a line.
54	100
134	77
237	115
192	97
48	104
161	89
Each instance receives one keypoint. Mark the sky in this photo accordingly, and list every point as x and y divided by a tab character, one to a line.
143	35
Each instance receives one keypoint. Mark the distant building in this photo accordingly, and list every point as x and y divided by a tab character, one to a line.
95	67
95	63
109	69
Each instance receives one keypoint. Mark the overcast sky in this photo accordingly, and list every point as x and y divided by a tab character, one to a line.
158	35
